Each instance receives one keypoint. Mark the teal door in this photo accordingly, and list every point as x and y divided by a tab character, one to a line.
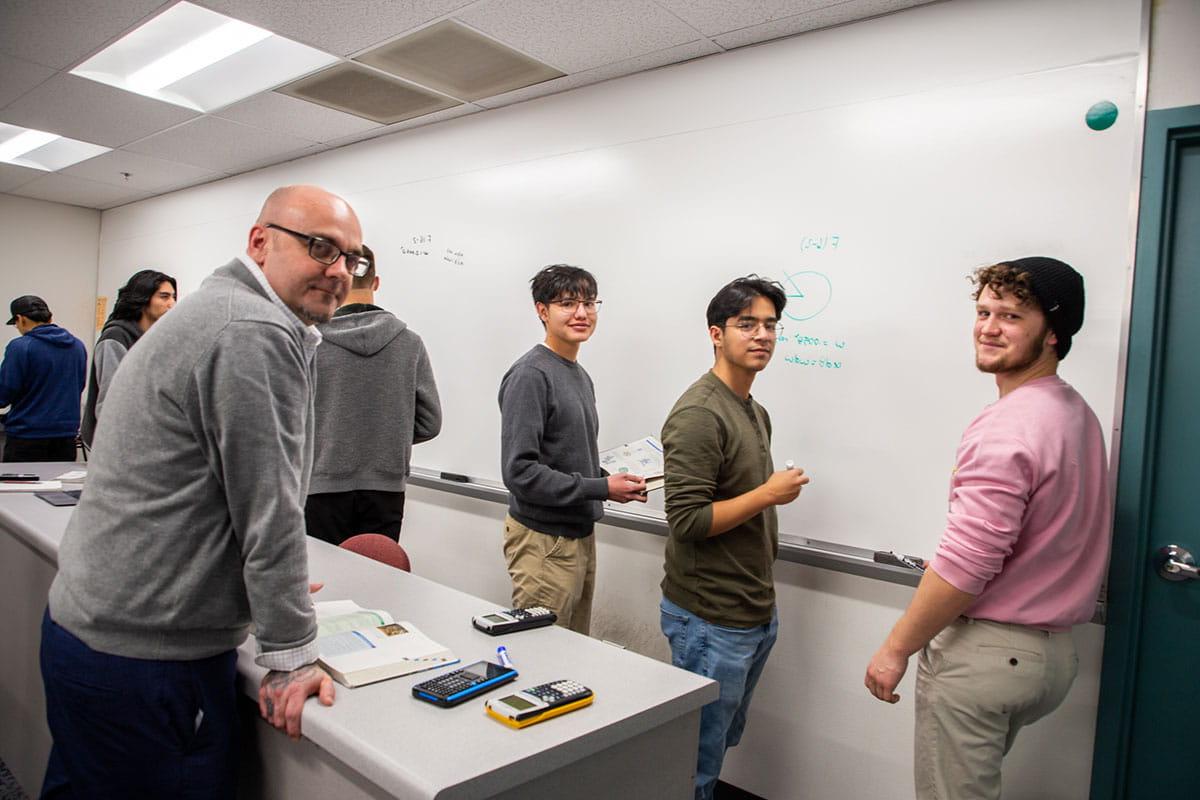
1148	727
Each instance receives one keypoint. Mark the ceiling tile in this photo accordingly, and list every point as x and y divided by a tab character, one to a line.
60	33
671	55
341	27
281	158
146	174
18	76
74	191
92	112
822	18
415	122
574	36
712	17
219	145
12	176
282	114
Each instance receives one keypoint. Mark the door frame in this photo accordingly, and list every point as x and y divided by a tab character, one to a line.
1166	132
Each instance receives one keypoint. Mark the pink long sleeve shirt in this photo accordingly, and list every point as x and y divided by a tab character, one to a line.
1028	528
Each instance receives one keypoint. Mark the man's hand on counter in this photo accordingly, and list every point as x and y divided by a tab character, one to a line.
281	695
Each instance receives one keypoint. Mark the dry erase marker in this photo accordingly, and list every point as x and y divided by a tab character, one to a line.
789	464
502	656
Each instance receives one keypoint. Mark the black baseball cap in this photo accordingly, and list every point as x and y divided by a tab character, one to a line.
28	305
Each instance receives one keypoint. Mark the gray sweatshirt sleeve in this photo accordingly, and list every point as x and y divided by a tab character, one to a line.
427	417
253	404
524	407
107	358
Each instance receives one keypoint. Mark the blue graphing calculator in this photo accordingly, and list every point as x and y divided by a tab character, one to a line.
462	684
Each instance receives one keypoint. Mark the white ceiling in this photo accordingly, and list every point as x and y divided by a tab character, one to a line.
161	147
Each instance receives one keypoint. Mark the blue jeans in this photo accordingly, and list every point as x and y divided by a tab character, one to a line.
129	727
734	657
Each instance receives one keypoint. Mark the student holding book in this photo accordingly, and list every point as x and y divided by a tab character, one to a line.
549	458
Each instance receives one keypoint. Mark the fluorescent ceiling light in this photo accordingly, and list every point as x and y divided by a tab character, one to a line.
199	59
230	38
35	149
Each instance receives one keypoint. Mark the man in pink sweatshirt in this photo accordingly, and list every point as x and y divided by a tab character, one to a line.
1025	546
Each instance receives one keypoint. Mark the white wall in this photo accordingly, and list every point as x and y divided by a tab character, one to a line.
1174	54
51	251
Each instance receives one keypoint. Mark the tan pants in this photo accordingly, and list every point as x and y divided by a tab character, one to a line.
978	683
552	571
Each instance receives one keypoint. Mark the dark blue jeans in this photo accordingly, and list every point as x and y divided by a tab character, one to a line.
128	727
734	657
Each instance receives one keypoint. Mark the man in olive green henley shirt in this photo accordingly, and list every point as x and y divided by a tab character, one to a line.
718	606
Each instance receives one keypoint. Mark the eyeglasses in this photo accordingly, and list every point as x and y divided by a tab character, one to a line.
326	252
748	327
570	306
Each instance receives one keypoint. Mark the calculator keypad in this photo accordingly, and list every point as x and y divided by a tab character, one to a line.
558	692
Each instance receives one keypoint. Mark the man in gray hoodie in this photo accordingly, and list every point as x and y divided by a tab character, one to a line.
191	526
367	356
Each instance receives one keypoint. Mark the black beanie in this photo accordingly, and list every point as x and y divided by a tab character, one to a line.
1059	291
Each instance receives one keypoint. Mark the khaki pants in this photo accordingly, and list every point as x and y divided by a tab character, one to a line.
978	683
552	571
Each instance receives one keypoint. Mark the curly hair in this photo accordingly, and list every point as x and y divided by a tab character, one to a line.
1004	278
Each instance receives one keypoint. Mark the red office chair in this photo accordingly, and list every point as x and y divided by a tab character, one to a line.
380	548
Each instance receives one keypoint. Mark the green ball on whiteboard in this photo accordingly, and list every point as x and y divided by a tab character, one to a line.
1101	115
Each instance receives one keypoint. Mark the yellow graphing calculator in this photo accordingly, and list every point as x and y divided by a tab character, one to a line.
538	703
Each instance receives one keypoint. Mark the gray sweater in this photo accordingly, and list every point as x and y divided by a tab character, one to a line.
548	455
191	524
376	397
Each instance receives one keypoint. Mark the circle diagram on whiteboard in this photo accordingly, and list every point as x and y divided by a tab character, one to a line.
808	294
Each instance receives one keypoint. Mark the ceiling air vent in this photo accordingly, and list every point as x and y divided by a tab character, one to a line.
459	61
367	94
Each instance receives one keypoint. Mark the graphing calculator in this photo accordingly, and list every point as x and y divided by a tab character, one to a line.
539	703
514	619
462	684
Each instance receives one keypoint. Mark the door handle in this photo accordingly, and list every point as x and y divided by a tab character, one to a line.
1176	564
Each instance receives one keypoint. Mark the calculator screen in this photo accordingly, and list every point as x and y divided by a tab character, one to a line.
519	703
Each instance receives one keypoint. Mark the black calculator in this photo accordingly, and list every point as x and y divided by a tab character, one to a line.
514	619
461	685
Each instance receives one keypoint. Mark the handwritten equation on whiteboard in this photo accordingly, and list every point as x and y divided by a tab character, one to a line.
422	245
809	349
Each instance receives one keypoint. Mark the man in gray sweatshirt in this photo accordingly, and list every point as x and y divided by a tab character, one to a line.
191	526
549	459
367	358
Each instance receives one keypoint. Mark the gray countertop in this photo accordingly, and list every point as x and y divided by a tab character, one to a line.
414	749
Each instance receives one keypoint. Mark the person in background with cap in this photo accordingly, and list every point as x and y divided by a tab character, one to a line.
41	378
1025	546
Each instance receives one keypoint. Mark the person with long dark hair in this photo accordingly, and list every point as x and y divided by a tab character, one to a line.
140	303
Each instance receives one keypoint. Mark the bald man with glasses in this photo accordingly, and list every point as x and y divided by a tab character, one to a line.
192	525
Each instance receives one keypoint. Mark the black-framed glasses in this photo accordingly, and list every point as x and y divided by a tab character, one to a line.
569	305
326	252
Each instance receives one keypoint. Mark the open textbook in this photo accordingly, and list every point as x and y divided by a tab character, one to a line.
643	457
362	645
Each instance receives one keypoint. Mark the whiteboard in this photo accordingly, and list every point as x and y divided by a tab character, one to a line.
880	170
